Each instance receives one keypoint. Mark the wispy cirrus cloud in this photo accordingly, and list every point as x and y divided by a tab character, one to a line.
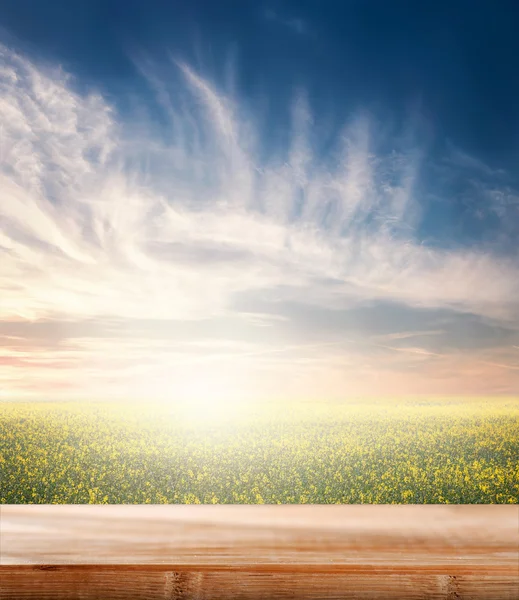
295	24
131	248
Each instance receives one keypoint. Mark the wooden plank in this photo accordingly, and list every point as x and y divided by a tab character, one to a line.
250	534
118	583
287	551
72	582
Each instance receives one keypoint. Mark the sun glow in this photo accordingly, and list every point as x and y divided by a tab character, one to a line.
204	398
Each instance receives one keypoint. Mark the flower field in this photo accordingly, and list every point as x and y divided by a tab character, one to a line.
376	451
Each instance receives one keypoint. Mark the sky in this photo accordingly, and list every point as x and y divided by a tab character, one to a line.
247	199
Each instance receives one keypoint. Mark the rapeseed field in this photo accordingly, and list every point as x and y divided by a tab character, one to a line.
366	451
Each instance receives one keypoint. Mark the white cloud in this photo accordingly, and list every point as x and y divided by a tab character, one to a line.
101	218
295	24
402	335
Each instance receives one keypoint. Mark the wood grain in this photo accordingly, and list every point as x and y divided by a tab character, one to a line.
287	551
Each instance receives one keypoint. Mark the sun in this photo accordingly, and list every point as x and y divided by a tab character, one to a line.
207	398
203	395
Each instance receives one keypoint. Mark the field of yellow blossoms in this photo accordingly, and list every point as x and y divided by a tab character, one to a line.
421	451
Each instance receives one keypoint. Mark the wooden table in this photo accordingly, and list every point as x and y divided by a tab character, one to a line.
251	552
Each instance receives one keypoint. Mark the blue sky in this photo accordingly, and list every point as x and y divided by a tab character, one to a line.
290	198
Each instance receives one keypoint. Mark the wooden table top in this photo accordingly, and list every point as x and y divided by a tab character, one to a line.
432	551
